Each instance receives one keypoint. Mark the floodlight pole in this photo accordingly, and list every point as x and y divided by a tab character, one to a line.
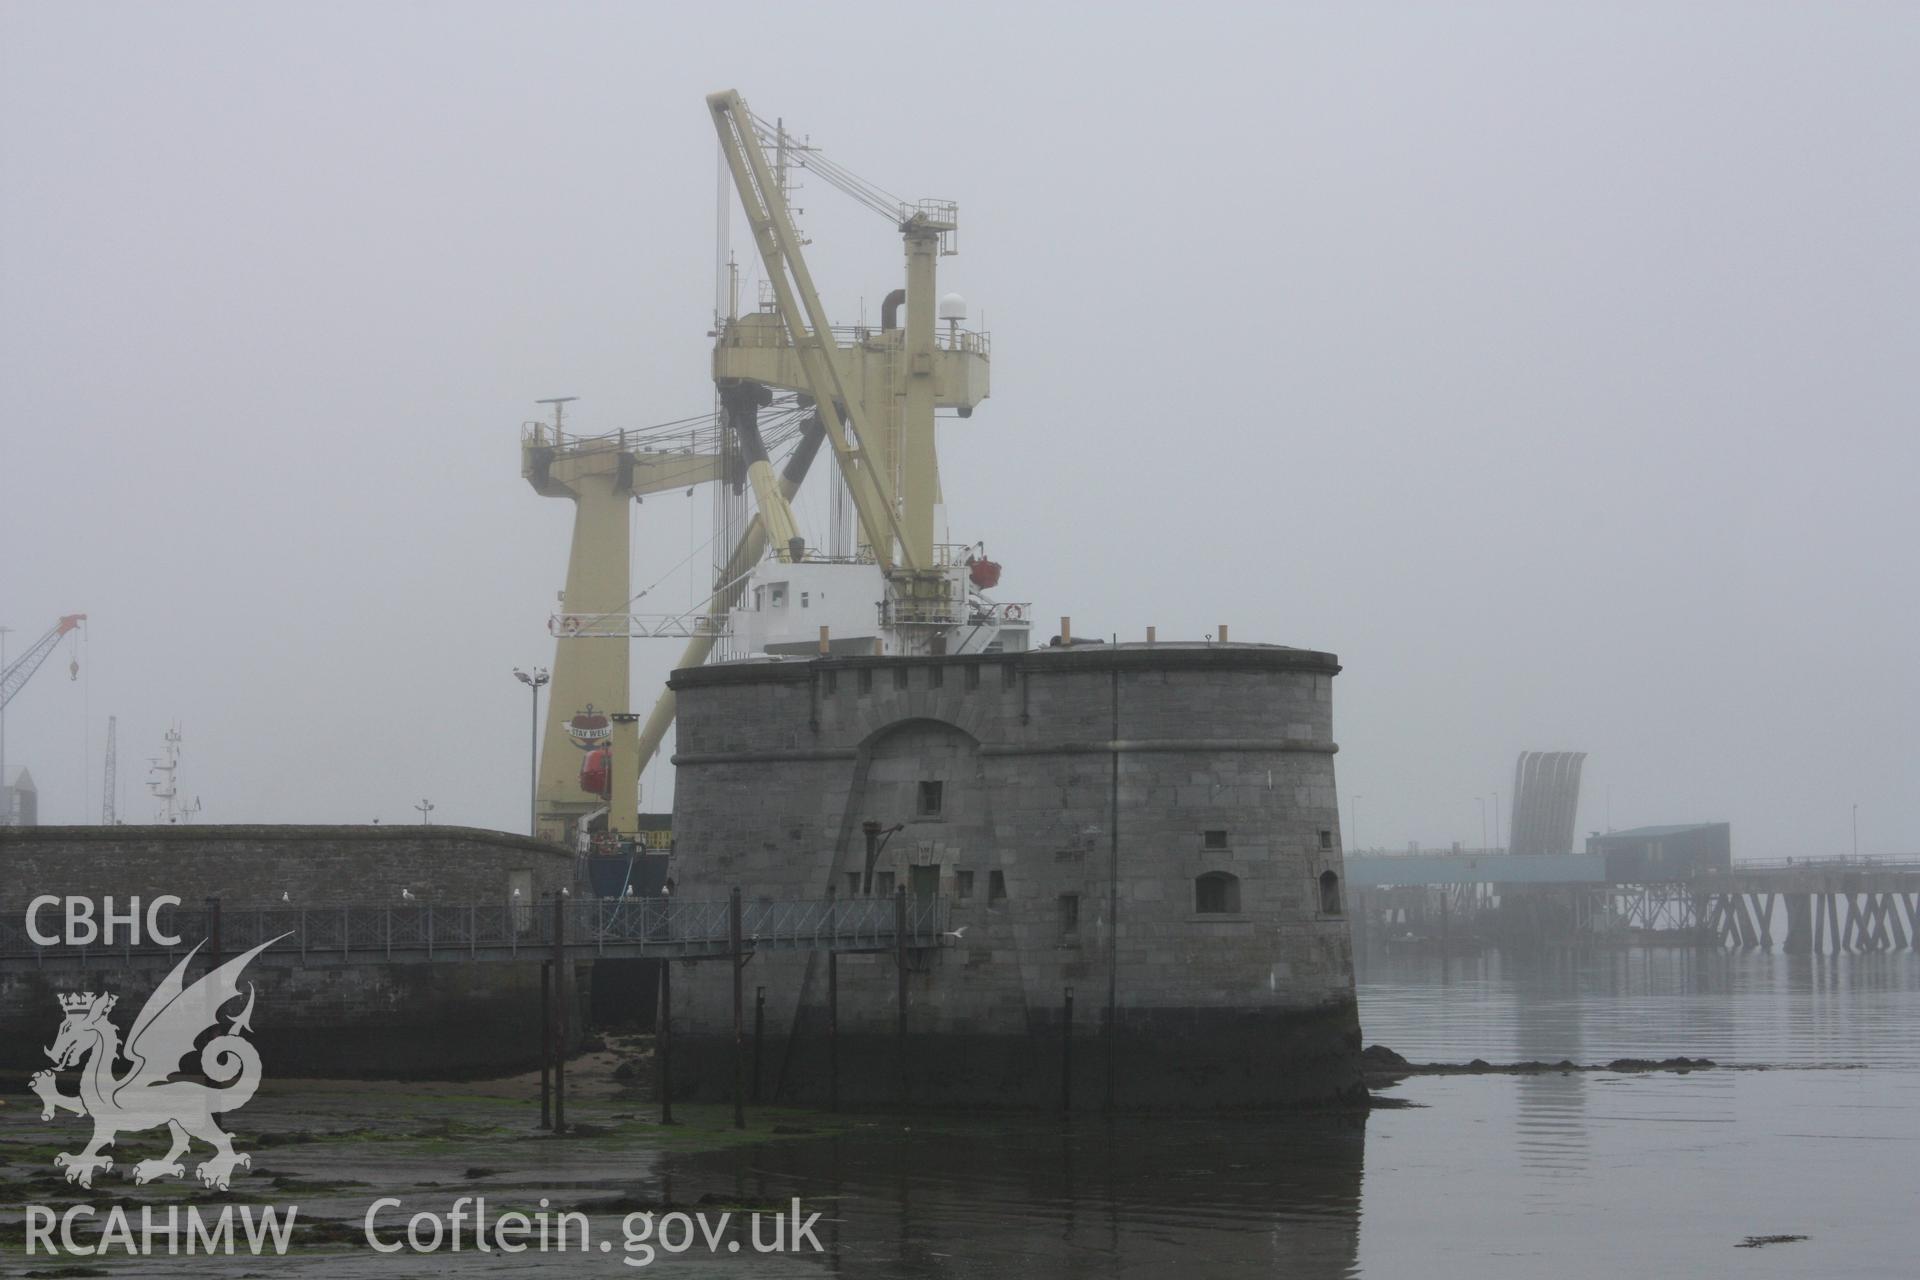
533	680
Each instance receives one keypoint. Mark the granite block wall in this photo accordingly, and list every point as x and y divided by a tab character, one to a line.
1155	827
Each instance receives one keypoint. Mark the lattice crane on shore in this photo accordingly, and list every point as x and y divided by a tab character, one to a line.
21	669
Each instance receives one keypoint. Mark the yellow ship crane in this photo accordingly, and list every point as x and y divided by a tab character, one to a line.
873	395
843	414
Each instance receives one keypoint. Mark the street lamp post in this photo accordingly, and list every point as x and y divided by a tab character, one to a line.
533	680
1856	831
6	815
1483	822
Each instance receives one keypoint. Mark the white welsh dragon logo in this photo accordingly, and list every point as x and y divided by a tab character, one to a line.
147	1096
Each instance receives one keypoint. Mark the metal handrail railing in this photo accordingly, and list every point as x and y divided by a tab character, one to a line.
435	930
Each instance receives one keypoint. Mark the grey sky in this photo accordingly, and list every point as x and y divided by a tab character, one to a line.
1552	364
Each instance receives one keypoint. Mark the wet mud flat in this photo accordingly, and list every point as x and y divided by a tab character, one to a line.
333	1148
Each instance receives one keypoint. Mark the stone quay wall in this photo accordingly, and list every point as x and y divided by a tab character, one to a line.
357	1020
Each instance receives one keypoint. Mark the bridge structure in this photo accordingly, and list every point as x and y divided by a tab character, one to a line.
1820	905
556	934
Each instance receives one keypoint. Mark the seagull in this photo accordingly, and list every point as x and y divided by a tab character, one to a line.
565	892
284	897
955	933
407	894
516	893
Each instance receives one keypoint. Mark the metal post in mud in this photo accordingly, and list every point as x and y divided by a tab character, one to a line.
546	1044
833	1030
739	1018
900	968
759	1032
560	993
663	1041
1066	1053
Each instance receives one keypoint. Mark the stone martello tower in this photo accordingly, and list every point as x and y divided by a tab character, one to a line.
1152	825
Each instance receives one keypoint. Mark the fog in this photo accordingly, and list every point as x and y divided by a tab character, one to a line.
1552	365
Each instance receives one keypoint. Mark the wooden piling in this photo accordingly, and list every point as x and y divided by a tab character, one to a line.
663	1041
833	1030
546	1044
900	967
560	992
739	1018
759	1035
1066	1053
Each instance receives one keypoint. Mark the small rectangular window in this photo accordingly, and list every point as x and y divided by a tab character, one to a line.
1216	839
932	796
973	676
883	884
936	676
803	599
866	679
996	887
777	595
830	681
899	677
963	885
1326	839
1069	913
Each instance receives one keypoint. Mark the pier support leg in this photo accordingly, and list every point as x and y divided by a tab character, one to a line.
1896	932
663	1041
1799	924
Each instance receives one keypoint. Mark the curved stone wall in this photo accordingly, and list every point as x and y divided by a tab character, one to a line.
1155	827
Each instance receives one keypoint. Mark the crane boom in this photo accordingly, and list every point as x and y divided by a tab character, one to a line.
22	668
806	319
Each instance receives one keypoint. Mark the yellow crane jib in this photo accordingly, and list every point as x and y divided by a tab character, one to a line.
805	317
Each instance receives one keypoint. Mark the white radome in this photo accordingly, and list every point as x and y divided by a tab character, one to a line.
953	307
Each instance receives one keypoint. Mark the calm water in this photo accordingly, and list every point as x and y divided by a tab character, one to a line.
1586	1174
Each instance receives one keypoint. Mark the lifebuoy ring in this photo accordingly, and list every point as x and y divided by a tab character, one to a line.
571	625
1011	613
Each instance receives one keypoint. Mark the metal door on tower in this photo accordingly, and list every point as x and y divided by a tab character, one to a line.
923	882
